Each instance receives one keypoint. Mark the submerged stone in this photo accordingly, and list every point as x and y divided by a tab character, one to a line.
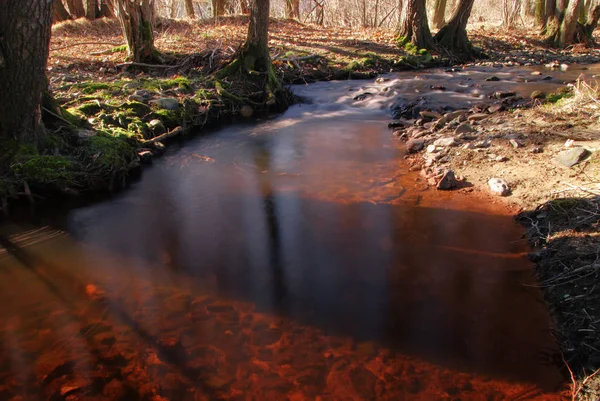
415	145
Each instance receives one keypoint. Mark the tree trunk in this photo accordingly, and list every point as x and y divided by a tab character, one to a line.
136	21
320	12
60	13
585	32
255	51
439	14
561	7
218	7
568	26
453	36
107	9
24	42
540	14
414	27
244	8
90	9
292	9
76	8
189	9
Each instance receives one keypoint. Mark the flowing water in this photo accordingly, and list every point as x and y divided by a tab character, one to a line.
291	259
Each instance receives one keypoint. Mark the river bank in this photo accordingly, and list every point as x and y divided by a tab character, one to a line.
110	117
544	160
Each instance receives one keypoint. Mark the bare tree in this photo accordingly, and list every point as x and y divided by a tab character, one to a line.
189	9
24	44
136	18
218	7
540	14
568	27
244	7
563	27
414	27
91	7
439	14
453	36
76	8
292	9
60	13
511	11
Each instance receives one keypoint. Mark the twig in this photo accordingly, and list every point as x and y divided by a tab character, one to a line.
86	43
59	117
167	135
144	65
298	58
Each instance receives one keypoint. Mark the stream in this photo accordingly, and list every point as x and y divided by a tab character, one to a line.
295	258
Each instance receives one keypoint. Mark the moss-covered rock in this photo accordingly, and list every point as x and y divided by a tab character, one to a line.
107	152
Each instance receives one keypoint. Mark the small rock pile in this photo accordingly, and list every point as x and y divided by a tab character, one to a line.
437	135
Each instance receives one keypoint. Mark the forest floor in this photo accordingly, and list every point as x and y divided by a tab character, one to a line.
89	76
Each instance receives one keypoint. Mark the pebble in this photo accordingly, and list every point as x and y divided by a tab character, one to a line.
499	187
515	144
415	145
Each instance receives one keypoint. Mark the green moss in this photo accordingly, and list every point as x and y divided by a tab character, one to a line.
89	88
353	66
154	85
170	118
87	109
138	109
563	93
108	152
44	169
120	49
401	41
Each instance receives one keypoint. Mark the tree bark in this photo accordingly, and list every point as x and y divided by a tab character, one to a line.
76	8
292	9
244	8
568	27
136	19
189	9
90	9
218	7
439	14
255	51
453	36
540	14
24	42
106	9
60	13
414	27
561	7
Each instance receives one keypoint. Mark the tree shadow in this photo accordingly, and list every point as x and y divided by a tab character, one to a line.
564	234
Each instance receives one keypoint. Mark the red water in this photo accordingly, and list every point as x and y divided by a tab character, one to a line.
292	260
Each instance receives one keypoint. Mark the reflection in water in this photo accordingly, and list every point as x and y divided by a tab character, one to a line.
302	263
